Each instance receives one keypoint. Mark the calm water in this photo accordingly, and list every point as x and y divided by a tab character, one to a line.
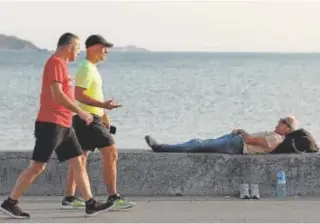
174	96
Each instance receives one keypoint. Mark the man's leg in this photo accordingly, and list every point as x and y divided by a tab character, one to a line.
70	200
81	177
109	164
110	158
228	144
101	138
26	178
231	144
190	146
46	142
96	135
71	150
24	181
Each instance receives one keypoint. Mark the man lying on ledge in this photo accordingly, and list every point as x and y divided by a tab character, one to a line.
238	142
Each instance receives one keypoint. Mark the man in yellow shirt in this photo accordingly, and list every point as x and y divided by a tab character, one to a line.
90	98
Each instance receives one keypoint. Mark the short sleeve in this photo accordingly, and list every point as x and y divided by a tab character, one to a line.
56	71
83	77
273	140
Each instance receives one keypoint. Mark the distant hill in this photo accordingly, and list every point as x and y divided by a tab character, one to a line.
15	43
128	48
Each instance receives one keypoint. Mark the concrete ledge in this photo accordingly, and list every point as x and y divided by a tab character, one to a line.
142	172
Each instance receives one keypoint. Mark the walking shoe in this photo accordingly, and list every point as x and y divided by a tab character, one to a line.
254	188
244	191
11	208
72	203
120	202
93	207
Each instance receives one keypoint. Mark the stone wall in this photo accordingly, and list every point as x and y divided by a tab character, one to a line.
142	172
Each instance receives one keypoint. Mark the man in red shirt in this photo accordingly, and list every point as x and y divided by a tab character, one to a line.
54	132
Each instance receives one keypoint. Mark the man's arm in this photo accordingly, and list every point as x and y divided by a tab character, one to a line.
252	140
56	77
82	83
61	98
80	95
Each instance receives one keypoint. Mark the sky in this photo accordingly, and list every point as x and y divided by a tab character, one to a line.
231	26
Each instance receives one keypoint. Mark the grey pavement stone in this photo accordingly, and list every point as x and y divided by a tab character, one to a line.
178	209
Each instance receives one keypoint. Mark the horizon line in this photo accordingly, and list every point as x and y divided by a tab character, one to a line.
212	51
177	51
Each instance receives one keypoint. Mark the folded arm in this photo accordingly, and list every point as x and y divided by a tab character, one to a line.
252	140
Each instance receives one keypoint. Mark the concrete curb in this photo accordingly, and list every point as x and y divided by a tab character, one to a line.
144	173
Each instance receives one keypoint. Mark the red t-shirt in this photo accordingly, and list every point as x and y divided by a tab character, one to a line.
55	70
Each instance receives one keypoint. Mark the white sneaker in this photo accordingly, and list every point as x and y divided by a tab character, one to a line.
254	188
244	191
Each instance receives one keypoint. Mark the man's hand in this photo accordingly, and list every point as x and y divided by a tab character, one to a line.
245	136
87	117
249	139
242	132
106	120
110	104
238	131
235	131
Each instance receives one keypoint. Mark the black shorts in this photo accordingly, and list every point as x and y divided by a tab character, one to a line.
53	137
95	135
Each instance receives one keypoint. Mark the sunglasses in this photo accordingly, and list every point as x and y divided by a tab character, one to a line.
283	121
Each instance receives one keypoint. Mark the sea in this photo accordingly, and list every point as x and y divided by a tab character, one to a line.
173	96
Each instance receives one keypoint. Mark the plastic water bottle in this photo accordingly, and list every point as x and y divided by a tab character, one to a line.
281	184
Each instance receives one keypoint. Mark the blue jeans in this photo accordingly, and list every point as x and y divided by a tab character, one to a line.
230	144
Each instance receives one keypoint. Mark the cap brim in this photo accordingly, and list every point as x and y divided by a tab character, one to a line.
107	44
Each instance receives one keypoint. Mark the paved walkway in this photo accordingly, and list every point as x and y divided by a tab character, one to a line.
178	209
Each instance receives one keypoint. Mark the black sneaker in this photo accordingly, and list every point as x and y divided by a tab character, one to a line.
12	209
93	207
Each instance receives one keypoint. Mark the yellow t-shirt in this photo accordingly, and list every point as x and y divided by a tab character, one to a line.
89	78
